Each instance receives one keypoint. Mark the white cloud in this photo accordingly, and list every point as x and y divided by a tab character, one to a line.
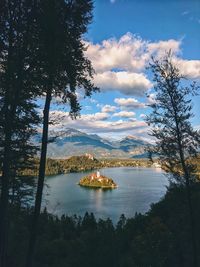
124	114
151	98
120	63
125	82
120	66
159	49
99	116
108	108
125	53
95	123
188	68
129	53
60	116
129	103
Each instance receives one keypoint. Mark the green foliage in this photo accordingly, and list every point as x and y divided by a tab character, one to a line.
59	166
176	141
101	182
160	238
19	116
82	163
125	163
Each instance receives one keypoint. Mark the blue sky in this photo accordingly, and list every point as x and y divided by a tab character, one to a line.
122	38
151	19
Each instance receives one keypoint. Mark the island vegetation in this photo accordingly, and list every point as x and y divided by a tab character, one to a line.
96	180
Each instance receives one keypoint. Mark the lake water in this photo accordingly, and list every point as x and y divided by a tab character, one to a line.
137	189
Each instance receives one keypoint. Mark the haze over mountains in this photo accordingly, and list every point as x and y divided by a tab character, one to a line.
72	142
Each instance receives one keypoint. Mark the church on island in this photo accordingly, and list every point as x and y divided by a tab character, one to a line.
96	180
97	176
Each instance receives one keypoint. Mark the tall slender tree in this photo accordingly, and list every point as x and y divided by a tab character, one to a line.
17	92
176	140
61	25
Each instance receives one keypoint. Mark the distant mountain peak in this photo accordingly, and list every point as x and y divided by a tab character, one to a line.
66	132
131	137
70	142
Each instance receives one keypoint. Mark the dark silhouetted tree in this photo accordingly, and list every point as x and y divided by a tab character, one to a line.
61	25
177	143
17	93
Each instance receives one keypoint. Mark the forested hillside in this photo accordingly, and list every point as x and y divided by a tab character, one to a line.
159	238
83	163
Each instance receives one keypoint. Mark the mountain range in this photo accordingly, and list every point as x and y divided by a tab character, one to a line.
70	142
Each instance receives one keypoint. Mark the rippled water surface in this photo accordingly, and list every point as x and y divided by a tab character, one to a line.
137	189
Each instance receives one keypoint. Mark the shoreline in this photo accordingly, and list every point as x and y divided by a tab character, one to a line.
98	187
107	167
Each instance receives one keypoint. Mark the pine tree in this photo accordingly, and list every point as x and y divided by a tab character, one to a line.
17	93
177	143
61	25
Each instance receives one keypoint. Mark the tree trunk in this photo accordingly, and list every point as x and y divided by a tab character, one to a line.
5	195
187	183
191	215
6	160
10	111
10	107
38	201
189	200
12	95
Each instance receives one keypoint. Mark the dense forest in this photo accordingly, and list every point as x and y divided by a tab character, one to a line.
82	163
159	238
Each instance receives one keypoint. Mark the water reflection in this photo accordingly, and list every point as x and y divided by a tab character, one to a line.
137	189
97	196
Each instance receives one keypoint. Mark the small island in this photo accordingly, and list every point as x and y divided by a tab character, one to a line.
96	180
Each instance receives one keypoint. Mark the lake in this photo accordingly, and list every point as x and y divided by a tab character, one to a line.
137	189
